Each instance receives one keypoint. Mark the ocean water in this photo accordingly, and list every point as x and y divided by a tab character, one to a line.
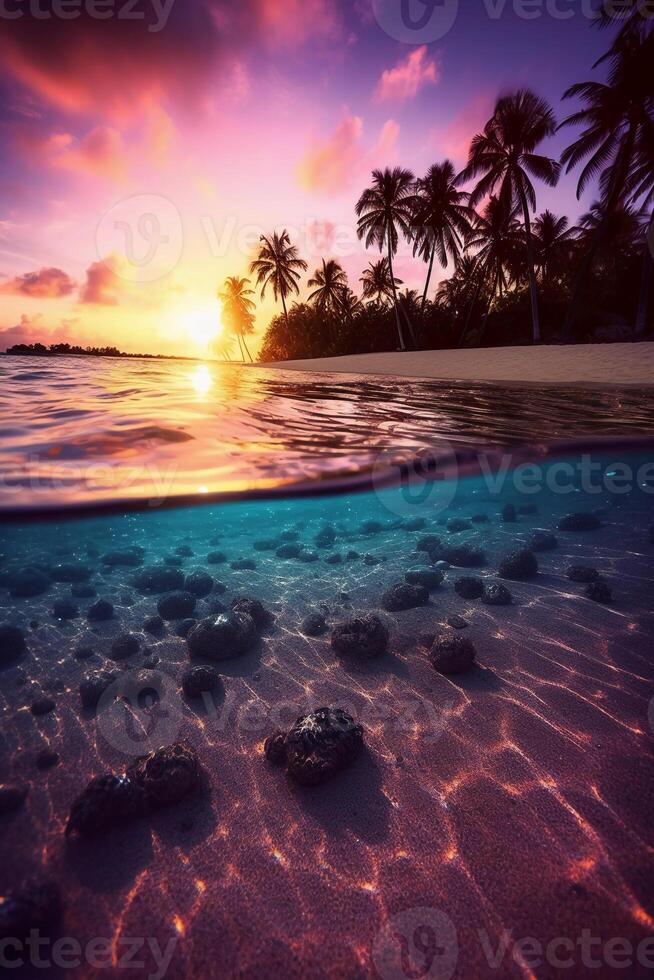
512	799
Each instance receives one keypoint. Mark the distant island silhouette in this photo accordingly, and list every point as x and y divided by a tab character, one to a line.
54	350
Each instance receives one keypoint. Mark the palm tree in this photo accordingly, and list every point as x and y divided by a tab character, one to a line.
224	346
504	155
553	240
376	281
442	218
238	309
617	141
278	265
330	284
498	241
383	209
350	304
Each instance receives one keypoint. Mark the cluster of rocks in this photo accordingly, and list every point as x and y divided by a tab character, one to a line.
317	746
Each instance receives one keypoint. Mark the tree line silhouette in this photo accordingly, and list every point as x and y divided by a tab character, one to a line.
517	275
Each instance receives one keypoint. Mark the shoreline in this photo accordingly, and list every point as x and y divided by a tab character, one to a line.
588	364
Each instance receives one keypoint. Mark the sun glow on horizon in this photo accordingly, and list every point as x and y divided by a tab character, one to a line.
203	325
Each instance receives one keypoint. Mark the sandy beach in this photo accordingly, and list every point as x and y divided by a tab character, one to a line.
618	364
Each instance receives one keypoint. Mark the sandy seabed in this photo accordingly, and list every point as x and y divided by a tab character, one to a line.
514	800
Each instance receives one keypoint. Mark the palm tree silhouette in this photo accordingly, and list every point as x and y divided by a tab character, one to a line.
384	208
498	241
238	309
553	243
376	282
504	157
617	143
442	218
278	265
330	284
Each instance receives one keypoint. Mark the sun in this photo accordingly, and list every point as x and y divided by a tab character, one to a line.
203	325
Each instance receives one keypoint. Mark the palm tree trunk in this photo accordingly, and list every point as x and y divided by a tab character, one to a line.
471	307
284	308
645	283
533	286
240	345
429	271
248	352
397	314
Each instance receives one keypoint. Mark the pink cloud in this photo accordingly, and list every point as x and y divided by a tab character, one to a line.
33	329
48	283
335	164
409	75
103	282
295	21
101	153
453	139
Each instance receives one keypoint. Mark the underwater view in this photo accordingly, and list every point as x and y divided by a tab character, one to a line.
401	730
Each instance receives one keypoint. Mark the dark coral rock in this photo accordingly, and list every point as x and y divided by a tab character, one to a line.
167	775
265	544
308	555
185	626
464	556
579	522
12	643
71	572
429	543
83	652
124	646
93	685
469	587
429	578
452	654
64	609
184	551
243	565
325	537
176	605
274	748
107	801
253	607
29	582
320	744
509	514
81	590
335	559
221	637
12	797
371	560
216	558
457	623
289	535
404	596
457	524
364	636
519	566
100	611
582	573
543	541
42	706
196	680
480	519
34	907
314	624
289	550
155	579
46	759
126	558
199	583
154	625
415	524
497	594
352	555
371	527
599	592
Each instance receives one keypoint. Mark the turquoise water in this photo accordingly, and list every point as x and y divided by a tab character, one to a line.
528	774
